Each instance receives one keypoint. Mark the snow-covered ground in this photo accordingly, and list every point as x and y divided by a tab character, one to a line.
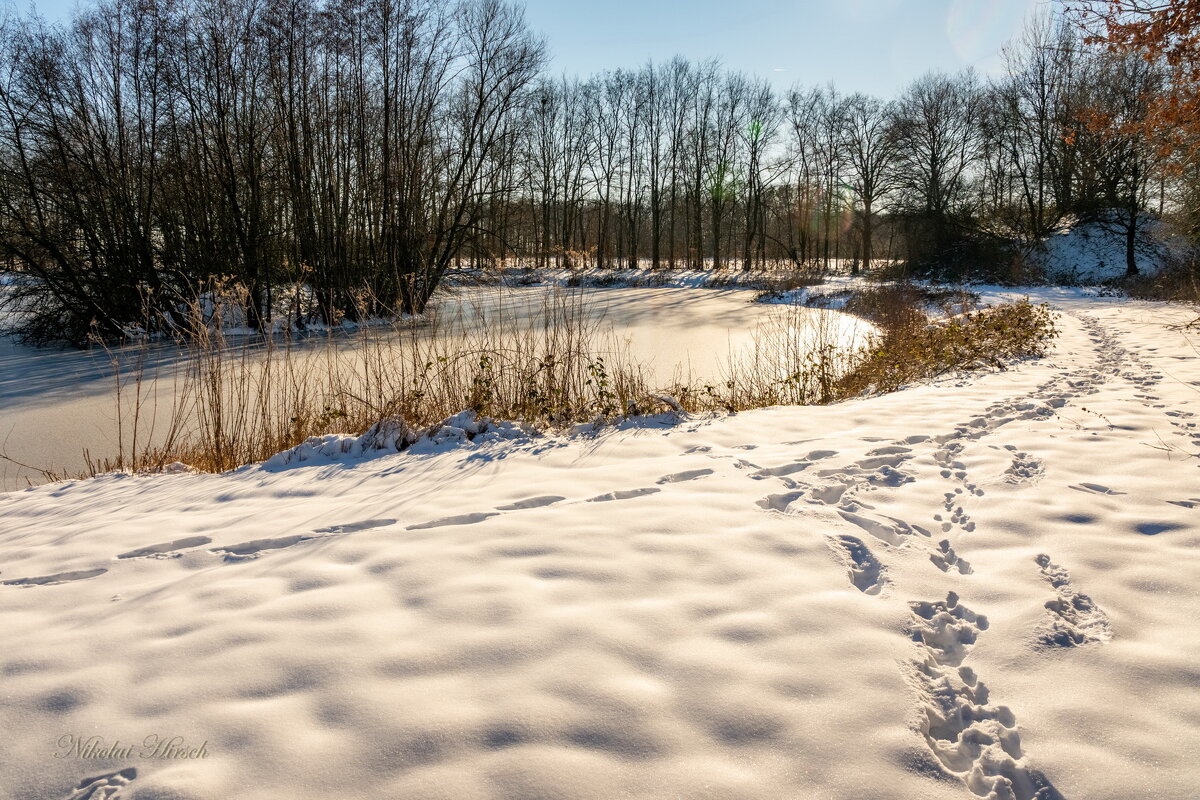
1094	252
983	587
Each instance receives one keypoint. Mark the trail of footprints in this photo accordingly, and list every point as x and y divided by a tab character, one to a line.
1142	374
1117	360
1184	422
972	739
249	550
1075	619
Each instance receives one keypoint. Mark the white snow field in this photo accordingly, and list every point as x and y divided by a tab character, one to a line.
985	587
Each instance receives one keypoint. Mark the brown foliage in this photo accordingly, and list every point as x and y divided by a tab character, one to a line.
910	350
1160	30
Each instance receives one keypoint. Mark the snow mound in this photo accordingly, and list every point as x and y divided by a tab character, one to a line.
393	435
1094	251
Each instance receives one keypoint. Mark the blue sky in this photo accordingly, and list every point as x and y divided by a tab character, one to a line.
874	46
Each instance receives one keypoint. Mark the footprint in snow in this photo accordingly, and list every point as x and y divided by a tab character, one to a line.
688	475
167	549
531	502
945	558
354	527
866	572
103	787
878	462
1025	469
1192	503
1075	619
893	531
460	519
58	577
623	494
779	502
890	450
947	629
781	471
831	494
1095	488
246	551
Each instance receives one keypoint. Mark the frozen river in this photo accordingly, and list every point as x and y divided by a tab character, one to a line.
56	404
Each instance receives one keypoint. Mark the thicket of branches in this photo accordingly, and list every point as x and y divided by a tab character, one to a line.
1165	34
148	148
360	149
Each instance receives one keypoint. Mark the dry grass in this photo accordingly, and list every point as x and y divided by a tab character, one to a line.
234	400
797	359
1177	282
803	363
239	400
911	349
904	305
767	283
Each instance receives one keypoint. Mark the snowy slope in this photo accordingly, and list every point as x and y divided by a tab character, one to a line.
985	587
1093	252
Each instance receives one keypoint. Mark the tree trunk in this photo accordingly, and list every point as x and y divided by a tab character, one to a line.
866	237
1131	267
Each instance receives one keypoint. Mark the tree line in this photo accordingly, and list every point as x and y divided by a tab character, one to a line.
361	149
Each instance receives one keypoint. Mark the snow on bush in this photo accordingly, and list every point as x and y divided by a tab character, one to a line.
393	435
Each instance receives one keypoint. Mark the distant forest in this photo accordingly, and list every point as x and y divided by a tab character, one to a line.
363	148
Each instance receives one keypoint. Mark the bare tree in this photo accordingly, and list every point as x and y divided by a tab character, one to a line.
870	147
759	136
937	145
